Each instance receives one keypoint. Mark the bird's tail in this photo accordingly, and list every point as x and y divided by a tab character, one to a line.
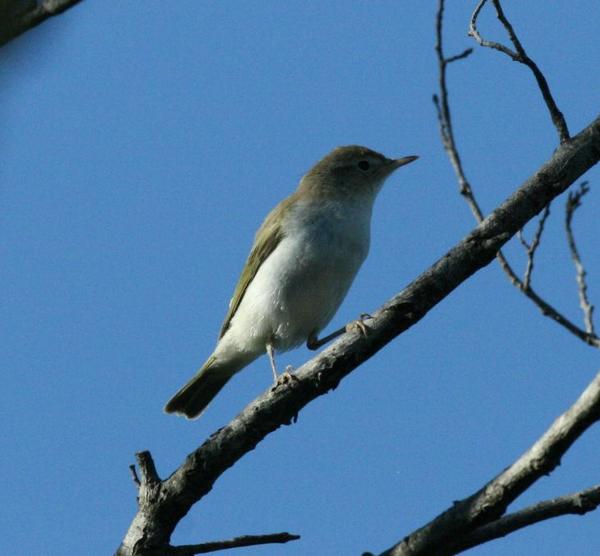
194	397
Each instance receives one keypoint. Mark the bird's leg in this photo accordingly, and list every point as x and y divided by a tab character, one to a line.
271	354
314	343
284	377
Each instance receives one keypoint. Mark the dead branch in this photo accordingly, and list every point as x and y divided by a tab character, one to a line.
519	55
449	143
246	540
572	204
531	248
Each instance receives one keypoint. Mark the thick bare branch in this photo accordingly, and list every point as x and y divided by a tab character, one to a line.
519	55
447	134
578	503
17	21
162	508
147	469
489	503
573	203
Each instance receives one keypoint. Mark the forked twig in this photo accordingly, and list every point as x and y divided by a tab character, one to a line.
531	248
519	55
572	204
449	143
444	118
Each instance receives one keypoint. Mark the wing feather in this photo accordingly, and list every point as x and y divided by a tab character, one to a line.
267	238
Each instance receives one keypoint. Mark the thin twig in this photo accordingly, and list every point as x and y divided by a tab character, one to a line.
578	503
444	117
572	204
519	55
246	540
134	475
449	143
532	248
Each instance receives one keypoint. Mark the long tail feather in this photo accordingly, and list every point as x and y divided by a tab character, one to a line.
194	397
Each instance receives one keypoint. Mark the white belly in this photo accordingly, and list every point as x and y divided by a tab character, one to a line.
300	286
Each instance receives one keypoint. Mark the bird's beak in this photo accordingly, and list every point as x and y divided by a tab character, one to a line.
397	162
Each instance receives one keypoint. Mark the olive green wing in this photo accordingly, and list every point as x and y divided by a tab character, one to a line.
267	238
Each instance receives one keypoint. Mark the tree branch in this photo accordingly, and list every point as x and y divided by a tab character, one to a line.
573	203
246	540
161	509
531	248
578	503
16	18
134	475
519	55
489	503
447	135
444	117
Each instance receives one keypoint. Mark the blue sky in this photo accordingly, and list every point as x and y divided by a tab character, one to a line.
142	147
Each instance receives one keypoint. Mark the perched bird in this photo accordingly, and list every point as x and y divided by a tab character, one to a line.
304	259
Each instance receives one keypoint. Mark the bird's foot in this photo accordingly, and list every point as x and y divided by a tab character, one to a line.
359	325
285	377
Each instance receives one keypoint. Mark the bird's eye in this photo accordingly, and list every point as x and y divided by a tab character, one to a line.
364	165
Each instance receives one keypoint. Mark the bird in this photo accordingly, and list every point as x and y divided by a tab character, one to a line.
304	259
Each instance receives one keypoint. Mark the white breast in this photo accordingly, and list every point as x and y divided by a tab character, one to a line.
300	286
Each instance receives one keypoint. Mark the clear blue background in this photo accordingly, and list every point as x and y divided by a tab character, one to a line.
143	143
